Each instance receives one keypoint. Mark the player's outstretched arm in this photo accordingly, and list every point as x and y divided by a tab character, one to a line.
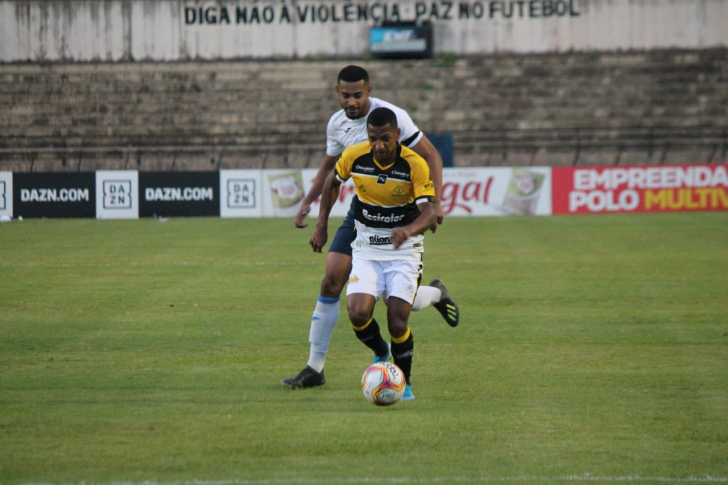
314	192
427	150
328	198
424	221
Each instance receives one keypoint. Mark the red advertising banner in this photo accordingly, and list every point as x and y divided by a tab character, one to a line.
665	188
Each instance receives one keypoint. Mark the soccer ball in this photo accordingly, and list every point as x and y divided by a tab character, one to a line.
383	383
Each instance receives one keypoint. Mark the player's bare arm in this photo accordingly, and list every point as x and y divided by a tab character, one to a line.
424	221
427	150
314	192
328	198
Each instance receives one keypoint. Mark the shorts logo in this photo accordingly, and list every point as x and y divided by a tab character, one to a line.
353	279
117	194
379	240
382	179
2	196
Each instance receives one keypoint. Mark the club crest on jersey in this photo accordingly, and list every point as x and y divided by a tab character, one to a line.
382	179
399	191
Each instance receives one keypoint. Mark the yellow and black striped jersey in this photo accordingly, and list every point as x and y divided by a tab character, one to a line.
386	196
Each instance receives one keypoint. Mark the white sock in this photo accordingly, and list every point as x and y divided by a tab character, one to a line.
324	319
426	296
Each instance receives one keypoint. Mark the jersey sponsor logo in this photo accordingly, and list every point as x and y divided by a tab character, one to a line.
377	240
363	168
381	218
382	179
401	175
173	194
55	195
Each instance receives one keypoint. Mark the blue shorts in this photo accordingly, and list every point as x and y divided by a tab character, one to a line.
345	235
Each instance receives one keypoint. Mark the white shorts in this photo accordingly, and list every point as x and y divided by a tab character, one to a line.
399	278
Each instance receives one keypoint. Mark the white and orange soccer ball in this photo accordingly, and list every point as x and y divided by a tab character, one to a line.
383	383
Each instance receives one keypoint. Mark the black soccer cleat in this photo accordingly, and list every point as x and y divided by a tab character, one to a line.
446	306
306	378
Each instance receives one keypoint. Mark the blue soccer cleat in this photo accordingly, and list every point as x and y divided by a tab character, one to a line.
407	396
384	358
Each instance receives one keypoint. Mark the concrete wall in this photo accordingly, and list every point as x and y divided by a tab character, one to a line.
622	108
177	30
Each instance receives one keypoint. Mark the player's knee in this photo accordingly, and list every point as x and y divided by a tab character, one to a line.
333	284
397	328
359	317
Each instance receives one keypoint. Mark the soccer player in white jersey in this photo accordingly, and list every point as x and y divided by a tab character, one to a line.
393	208
347	127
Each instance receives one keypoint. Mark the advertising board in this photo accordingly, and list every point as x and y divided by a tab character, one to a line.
117	194
179	194
666	188
476	192
6	194
66	195
401	40
473	191
240	193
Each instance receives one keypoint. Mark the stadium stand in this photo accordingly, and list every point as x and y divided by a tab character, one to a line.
651	107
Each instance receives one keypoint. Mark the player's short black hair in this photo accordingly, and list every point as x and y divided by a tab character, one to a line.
382	116
353	74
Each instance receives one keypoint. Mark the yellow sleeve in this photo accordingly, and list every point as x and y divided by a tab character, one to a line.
343	166
422	182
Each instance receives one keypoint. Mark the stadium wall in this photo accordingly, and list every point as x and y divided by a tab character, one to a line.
497	191
183	30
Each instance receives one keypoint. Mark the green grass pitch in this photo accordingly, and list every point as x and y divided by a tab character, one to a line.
591	349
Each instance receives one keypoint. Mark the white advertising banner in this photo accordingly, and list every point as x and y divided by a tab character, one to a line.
273	193
283	192
496	191
346	194
117	194
465	192
6	194
241	193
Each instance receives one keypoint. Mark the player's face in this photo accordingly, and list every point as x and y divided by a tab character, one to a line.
383	140
354	98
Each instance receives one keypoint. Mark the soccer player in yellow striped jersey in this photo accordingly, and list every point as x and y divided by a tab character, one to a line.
387	197
348	127
393	208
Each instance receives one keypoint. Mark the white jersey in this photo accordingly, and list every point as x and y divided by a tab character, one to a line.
343	132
